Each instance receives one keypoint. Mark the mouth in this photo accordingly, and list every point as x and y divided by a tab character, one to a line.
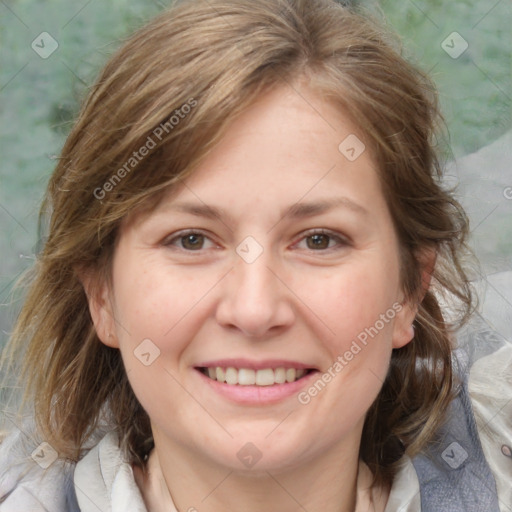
262	377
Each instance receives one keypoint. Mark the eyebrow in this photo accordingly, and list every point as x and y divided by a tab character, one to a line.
300	210
295	211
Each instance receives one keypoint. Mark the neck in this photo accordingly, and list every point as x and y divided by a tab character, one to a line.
328	483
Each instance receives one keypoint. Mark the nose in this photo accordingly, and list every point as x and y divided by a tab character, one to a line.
254	300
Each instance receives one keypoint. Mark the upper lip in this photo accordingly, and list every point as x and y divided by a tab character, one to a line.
255	365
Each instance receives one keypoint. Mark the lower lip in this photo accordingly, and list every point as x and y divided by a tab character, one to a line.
257	395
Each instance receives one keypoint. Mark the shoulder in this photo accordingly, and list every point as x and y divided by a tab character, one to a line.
104	479
490	388
490	378
468	466
32	477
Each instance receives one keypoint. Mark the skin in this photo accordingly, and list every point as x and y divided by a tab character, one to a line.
295	301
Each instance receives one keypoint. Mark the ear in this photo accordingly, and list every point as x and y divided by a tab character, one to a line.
403	332
100	307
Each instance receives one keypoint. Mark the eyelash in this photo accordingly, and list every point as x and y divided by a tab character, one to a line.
340	240
168	242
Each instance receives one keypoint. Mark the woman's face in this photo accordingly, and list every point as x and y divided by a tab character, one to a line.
275	261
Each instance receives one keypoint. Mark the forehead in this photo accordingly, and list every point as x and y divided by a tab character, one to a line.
288	140
288	147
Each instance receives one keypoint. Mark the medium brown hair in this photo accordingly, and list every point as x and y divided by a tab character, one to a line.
220	56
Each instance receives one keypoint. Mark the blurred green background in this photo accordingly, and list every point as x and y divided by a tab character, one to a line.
39	98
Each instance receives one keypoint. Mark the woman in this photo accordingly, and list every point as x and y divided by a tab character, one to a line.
239	302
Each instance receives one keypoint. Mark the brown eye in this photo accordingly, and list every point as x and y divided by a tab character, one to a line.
318	241
323	242
192	241
189	241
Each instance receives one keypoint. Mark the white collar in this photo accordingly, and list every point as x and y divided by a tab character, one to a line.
405	490
105	482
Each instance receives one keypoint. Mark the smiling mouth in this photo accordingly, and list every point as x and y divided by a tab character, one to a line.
250	377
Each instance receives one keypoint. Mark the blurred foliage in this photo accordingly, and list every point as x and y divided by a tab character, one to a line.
39	99
476	88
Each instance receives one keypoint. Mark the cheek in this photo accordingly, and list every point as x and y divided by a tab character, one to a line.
158	312
351	300
358	309
152	300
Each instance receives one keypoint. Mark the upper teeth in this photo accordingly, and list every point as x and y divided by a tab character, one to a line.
249	377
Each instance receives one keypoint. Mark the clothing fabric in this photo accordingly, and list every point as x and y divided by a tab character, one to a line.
467	467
